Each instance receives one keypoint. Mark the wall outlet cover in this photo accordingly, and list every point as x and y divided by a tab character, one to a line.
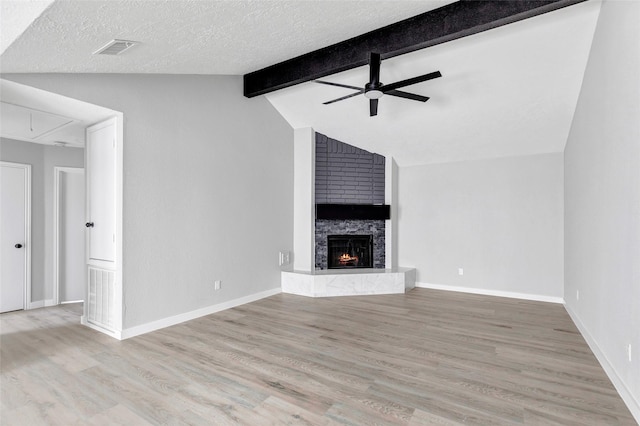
284	258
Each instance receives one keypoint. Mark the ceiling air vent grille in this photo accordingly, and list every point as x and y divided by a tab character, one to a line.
115	47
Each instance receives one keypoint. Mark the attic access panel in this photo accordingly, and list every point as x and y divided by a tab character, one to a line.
23	123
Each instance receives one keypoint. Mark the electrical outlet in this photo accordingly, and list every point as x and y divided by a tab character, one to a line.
285	258
629	351
577	294
217	285
460	271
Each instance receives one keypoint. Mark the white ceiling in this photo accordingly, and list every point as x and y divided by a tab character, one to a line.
192	37
33	115
507	91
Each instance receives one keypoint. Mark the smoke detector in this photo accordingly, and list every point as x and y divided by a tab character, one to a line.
115	47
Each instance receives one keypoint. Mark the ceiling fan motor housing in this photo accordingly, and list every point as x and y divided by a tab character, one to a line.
372	91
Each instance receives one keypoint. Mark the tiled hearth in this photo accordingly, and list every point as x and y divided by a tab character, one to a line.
349	282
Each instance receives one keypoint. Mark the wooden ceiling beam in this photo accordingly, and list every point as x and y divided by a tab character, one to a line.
449	22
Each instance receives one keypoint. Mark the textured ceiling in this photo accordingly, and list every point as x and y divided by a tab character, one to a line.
17	16
192	37
504	92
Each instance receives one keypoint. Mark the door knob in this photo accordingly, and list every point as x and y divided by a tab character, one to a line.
89	224
18	245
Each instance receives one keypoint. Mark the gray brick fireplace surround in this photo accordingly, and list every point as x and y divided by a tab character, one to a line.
348	175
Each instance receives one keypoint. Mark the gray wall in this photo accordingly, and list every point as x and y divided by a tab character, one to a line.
501	220
602	207
43	159
208	192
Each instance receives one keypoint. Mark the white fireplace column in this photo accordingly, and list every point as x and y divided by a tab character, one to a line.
390	225
304	181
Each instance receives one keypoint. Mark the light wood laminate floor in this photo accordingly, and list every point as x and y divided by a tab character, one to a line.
427	357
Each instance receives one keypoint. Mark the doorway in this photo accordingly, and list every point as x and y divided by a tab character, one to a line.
15	236
69	274
39	117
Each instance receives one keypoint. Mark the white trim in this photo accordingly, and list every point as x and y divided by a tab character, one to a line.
488	292
35	305
628	398
187	316
71	301
27	237
113	333
56	227
50	302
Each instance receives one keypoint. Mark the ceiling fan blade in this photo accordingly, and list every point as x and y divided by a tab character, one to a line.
343	98
338	84
398	84
407	95
374	69
373	107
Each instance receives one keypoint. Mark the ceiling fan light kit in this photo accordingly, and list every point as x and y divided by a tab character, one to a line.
374	89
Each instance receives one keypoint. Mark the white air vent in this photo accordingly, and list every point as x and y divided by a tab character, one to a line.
101	302
115	47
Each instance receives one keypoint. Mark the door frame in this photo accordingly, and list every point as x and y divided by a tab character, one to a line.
57	172
27	221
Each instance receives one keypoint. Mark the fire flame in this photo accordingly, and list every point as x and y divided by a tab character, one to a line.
345	258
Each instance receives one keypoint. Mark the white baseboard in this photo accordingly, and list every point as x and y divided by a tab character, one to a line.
49	302
35	305
487	292
632	403
113	333
177	319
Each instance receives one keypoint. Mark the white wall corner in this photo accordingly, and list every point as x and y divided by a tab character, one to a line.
391	225
632	403
304	159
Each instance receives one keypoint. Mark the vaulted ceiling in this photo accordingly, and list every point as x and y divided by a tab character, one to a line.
508	91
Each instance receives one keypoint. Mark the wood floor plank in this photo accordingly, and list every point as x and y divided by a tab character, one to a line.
424	358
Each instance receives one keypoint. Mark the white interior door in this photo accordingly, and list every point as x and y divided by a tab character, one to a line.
103	168
72	276
101	192
14	235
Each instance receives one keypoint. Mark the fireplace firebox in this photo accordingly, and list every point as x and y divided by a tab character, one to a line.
350	251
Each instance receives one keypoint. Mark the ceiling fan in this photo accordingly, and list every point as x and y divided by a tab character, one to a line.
374	89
